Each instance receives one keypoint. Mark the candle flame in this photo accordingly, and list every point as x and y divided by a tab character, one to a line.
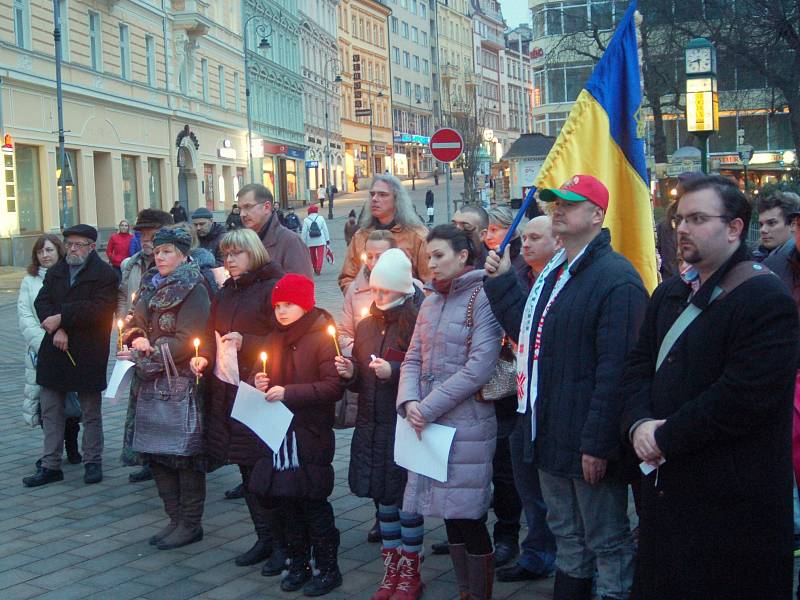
364	312
263	357
332	330
364	257
133	297
119	324
196	342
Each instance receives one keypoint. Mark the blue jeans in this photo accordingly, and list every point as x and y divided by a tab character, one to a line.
539	547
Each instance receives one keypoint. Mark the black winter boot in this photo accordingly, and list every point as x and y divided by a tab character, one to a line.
263	546
571	588
169	491
71	429
193	497
298	549
329	578
276	563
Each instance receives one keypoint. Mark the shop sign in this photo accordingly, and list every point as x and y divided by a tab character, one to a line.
229	153
312	164
296	153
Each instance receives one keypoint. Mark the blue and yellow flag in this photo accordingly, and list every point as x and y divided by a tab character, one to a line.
603	136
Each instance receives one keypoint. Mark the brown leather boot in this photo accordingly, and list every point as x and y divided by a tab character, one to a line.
481	576
458	555
169	491
193	496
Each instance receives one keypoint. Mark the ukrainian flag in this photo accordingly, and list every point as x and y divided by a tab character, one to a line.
603	136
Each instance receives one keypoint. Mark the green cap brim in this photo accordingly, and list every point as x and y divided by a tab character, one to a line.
550	195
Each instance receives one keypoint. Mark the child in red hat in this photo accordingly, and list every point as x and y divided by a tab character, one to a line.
298	479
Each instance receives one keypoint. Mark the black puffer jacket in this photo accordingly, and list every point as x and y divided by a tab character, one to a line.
373	473
586	337
243	306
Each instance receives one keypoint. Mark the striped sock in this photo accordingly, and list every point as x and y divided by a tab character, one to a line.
413	530
389	523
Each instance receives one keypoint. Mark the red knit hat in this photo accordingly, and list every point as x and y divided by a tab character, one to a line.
296	289
313	208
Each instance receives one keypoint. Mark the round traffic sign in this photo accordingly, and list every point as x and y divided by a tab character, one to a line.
446	145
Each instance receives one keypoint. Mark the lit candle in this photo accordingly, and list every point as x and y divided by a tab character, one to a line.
119	327
332	333
197	355
364	257
133	298
364	312
264	363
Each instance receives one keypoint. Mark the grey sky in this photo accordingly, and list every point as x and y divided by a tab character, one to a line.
515	12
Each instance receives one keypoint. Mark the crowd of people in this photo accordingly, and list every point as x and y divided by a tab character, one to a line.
567	384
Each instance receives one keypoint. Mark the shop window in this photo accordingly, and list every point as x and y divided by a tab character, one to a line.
68	178
129	188
154	182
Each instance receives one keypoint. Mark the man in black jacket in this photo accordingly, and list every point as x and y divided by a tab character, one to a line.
76	305
209	233
711	403
574	331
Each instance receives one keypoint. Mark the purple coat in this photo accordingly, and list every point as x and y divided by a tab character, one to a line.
438	372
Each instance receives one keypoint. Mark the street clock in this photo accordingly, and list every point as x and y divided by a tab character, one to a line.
702	99
701	58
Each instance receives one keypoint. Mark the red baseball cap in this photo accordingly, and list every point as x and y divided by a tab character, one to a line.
579	188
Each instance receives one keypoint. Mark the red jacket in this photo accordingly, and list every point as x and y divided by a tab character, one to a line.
118	248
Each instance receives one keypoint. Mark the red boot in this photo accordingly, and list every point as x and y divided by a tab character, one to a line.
391	559
409	583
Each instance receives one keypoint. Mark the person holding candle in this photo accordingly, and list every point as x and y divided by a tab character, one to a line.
380	344
297	479
75	307
456	342
172	309
238	316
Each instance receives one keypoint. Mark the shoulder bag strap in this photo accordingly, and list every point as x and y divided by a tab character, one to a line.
744	271
169	364
470	320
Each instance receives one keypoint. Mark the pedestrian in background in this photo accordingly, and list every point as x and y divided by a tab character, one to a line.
439	386
234	220
291	221
208	232
321	194
178	212
380	345
119	245
429	205
75	307
350	227
169	314
315	235
298	478
47	251
239	317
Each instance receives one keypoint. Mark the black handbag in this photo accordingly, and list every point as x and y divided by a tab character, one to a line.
168	420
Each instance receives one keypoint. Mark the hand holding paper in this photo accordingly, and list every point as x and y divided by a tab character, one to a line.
120	380
427	456
268	420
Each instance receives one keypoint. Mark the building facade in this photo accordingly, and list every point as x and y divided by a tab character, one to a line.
488	27
276	96
412	100
516	94
365	91
455	78
154	112
321	97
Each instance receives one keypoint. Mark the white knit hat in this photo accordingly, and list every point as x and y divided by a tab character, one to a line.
392	272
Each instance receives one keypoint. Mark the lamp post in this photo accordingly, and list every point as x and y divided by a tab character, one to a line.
264	31
702	103
370	154
60	105
337	79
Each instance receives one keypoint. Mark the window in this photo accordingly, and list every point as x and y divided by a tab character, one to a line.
22	23
405	30
425	66
424	38
204	79
413	7
29	193
124	52
223	101
150	52
416	63
376	36
395	24
417	91
129	187
396	55
63	13
95	41
68	177
237	99
406	58
407	87
398	86
422	10
154	182
415	35
426	94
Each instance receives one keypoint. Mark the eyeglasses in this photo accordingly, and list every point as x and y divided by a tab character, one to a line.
234	254
697	219
77	245
249	207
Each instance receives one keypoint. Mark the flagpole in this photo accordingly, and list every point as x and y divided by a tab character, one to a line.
521	213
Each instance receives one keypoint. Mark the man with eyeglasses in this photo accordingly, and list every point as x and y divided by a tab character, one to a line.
76	307
284	247
707	406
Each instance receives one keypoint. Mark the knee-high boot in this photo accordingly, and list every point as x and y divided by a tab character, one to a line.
168	486
263	546
481	576
276	563
193	497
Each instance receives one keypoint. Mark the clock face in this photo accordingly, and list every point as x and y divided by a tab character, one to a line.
698	60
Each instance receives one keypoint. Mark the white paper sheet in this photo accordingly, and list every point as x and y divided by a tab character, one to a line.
268	420
226	367
647	468
427	456
220	275
120	381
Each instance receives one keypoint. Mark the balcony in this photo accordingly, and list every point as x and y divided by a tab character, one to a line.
472	80
449	72
190	16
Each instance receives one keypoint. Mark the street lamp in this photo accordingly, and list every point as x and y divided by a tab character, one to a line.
337	79
264	31
702	103
370	154
60	106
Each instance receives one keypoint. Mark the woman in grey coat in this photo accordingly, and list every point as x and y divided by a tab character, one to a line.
447	363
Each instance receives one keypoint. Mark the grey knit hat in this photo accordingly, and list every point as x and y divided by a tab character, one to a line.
178	237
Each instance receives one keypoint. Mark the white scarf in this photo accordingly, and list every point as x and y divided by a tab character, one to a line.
527	388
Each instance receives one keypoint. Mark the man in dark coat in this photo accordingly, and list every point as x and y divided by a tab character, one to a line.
714	403
574	332
178	212
209	233
285	247
76	305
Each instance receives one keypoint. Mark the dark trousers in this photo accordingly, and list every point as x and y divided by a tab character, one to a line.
470	532
315	515
53	421
506	500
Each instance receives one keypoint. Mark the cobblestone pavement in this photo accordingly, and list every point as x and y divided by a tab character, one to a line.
68	540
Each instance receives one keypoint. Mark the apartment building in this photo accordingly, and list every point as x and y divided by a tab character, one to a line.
455	78
488	27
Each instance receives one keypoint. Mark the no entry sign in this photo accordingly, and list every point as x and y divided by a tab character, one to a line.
446	145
